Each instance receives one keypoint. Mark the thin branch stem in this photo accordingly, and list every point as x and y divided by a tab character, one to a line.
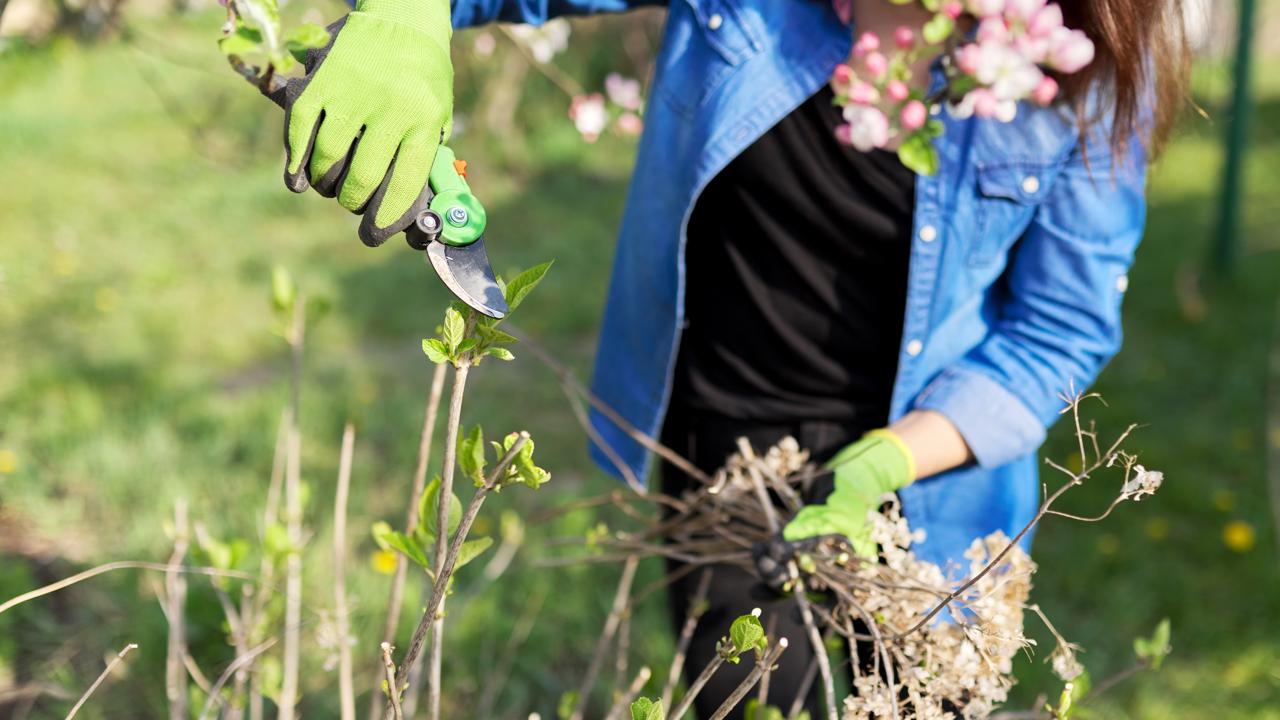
346	684
750	680
802	692
293	516
620	705
497	679
620	602
697	606
119	658
553	73
175	675
696	687
393	686
242	661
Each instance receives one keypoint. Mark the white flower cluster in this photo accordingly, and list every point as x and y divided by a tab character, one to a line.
963	664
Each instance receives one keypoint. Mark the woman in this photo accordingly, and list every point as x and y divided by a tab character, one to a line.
771	282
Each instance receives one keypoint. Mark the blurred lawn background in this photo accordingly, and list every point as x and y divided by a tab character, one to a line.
141	212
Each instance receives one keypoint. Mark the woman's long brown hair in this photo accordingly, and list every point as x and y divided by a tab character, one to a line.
1141	63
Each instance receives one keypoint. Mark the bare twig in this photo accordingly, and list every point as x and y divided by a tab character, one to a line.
697	606
620	705
497	678
620	602
346	686
241	662
393	687
296	336
750	680
696	687
175	676
119	658
762	697
562	80
802	692
396	598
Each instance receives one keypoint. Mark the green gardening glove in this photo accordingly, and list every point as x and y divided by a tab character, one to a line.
879	463
365	122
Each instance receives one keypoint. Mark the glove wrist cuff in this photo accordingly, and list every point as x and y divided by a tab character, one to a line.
897	442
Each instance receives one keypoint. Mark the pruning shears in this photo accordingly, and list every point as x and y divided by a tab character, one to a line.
449	221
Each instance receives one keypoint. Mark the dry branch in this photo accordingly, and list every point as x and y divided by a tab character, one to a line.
620	598
346	687
119	658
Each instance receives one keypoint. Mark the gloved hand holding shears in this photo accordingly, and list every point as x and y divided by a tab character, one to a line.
367	123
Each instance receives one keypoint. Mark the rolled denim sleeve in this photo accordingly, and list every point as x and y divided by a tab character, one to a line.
1057	319
469	13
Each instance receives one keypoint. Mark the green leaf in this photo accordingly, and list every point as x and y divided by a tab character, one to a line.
494	336
938	29
645	709
427	509
283	292
522	466
521	285
568	700
1155	648
275	539
934	129
453	329
472	549
748	634
466	346
755	711
918	154
409	547
380	531
306	37
244	41
435	351
501	353
471	458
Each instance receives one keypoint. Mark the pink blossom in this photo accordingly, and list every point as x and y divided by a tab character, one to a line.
1034	49
1044	22
903	37
985	8
967	58
1022	10
993	30
896	90
1069	50
861	93
1045	91
868	127
841	78
953	9
589	115
624	92
867	42
913	115
629	123
843	134
876	64
844	10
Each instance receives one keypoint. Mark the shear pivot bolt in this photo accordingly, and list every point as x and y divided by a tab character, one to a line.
457	216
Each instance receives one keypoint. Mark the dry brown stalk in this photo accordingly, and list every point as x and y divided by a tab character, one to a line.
175	675
393	687
242	661
697	606
620	602
346	685
624	699
119	658
296	336
396	597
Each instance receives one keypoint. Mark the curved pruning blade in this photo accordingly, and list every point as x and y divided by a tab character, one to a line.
466	272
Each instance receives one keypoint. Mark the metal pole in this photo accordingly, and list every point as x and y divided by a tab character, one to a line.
1226	250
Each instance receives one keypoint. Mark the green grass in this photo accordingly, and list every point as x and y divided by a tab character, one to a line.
142	211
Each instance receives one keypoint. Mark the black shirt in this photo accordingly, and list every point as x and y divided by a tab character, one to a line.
797	278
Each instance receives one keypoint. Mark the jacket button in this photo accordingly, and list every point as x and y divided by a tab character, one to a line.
715	21
1031	184
914	347
1122	283
928	233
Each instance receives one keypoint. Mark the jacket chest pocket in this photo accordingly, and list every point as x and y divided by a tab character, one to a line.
1006	201
705	41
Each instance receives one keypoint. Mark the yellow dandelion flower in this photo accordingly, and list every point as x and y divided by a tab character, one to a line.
8	461
1239	536
64	263
1224	500
1157	528
106	299
1108	544
383	561
1275	437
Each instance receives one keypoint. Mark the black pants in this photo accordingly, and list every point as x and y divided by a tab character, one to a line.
706	441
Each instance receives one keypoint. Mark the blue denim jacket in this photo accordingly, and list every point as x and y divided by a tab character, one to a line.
1018	260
